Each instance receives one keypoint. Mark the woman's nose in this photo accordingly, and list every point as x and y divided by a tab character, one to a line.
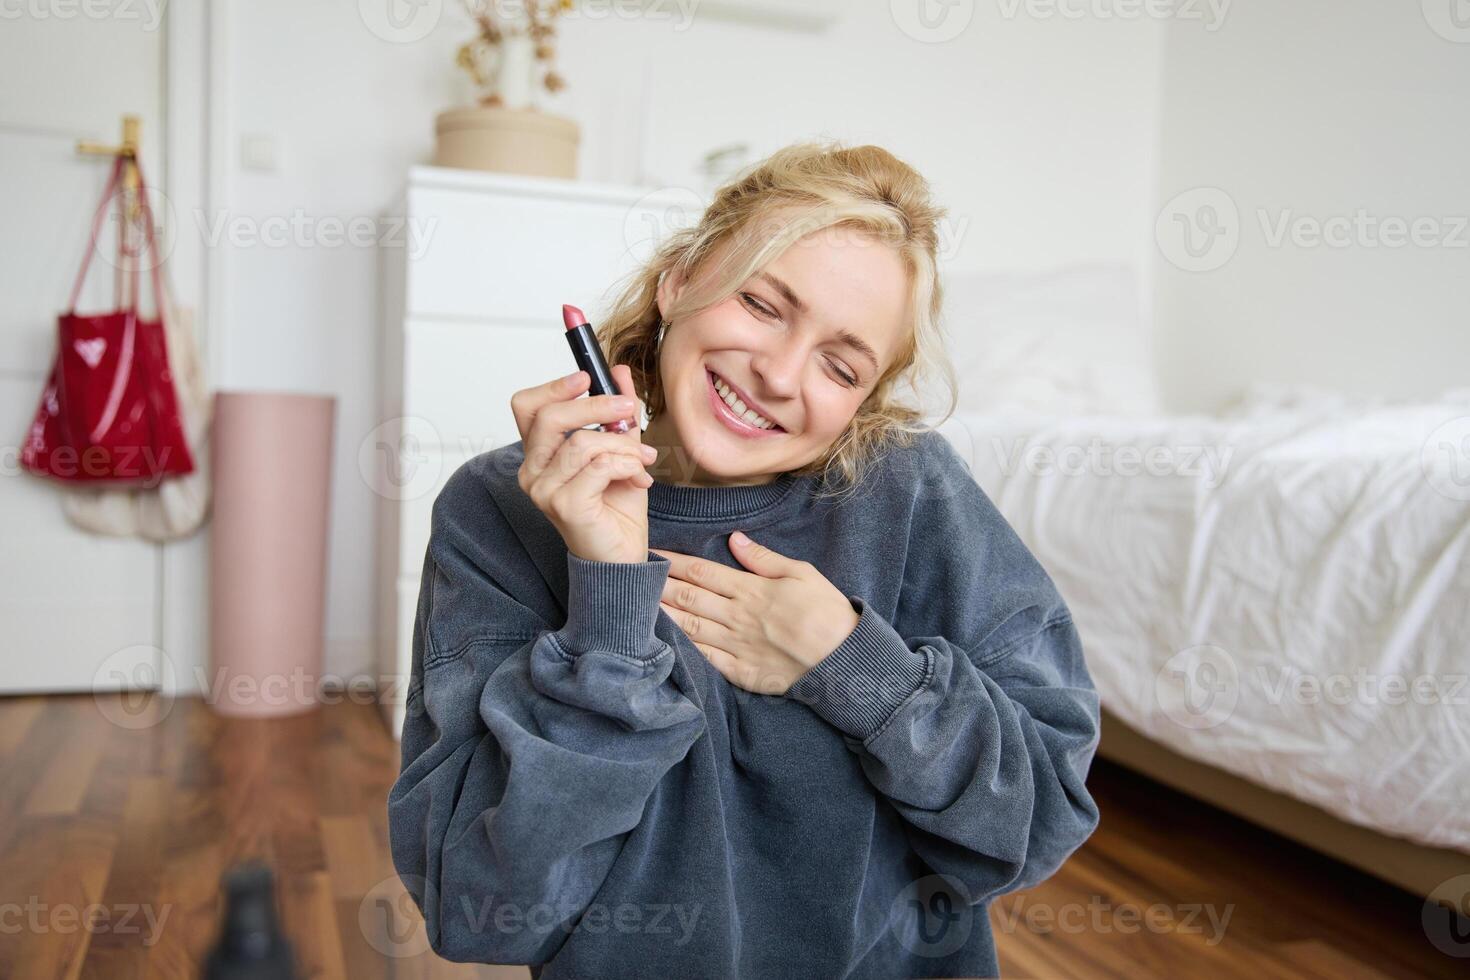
779	370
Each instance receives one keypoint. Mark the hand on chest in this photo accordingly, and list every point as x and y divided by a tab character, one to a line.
761	624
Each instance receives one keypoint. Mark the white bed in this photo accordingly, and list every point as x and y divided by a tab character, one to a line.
1232	564
1282	592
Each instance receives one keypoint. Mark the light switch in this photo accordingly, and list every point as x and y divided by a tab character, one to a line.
258	152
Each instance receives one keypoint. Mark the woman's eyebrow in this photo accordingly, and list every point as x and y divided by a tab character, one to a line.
858	344
787	293
845	336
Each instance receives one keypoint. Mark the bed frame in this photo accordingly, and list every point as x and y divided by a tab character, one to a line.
1423	870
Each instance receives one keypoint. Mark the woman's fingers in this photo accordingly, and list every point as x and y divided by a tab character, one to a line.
623	378
570	456
527	403
697	627
712	576
554	465
557	403
556	425
561	417
694	600
568	496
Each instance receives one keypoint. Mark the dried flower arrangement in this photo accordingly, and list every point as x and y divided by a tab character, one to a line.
504	26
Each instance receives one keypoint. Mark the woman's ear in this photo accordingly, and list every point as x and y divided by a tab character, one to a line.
668	290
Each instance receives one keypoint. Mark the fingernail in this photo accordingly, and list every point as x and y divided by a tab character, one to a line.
738	538
572	377
650	453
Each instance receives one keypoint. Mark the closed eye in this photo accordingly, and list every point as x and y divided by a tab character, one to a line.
763	311
851	381
756	306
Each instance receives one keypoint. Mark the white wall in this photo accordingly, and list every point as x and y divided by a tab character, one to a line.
1317	109
80	611
1036	131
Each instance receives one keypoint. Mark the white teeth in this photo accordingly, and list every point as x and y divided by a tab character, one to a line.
739	407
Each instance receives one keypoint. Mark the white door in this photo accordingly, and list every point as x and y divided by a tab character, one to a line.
77	612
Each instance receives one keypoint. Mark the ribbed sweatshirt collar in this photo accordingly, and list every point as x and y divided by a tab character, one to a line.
685	503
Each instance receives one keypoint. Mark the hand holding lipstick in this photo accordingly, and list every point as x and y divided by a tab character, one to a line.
591	484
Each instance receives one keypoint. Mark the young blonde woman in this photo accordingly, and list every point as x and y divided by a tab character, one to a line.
799	702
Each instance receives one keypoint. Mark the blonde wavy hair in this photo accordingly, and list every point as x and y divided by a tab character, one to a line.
754	218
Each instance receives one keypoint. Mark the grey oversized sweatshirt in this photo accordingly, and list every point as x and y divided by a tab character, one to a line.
581	790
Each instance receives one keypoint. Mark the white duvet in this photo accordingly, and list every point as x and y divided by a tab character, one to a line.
1282	592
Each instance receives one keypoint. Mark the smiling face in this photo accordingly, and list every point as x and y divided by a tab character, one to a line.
800	344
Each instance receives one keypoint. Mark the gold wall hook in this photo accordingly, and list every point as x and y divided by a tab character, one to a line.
132	127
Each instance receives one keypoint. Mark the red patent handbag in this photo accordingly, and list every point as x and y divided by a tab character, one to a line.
109	411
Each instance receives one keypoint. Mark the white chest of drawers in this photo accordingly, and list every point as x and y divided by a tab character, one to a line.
474	270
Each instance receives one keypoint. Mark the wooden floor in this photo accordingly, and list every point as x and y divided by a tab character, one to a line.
135	807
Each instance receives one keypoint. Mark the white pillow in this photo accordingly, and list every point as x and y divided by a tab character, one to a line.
1069	341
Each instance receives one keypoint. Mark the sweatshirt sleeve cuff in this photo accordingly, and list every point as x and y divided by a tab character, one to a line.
612	606
858	686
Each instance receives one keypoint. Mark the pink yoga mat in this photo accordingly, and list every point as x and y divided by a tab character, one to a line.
271	455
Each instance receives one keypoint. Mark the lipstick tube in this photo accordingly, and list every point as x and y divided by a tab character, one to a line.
588	353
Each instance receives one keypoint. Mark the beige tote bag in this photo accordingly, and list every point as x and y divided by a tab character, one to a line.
178	505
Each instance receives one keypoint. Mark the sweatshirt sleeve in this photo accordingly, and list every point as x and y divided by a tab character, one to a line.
978	722
529	753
